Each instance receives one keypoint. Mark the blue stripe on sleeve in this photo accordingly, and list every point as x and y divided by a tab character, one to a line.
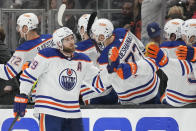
30	75
182	66
6	73
12	69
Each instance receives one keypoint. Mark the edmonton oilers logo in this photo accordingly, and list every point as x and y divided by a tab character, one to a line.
68	79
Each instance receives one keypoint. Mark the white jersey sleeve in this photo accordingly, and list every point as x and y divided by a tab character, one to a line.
31	74
96	78
13	66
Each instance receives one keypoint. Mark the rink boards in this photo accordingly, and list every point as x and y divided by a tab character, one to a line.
166	119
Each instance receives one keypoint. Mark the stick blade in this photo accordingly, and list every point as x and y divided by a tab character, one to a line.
60	14
91	21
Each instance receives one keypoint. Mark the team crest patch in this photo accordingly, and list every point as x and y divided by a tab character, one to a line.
68	79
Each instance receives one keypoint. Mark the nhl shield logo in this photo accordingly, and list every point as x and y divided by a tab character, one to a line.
68	79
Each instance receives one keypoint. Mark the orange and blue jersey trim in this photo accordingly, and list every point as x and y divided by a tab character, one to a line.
140	91
179	97
31	44
42	122
25	76
84	45
9	71
97	84
56	104
55	53
186	67
85	90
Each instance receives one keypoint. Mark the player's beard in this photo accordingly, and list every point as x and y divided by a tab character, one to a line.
69	50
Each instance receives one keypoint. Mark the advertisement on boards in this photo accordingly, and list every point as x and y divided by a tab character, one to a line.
172	119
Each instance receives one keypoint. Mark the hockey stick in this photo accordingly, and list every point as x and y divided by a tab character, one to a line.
14	121
89	25
61	11
18	116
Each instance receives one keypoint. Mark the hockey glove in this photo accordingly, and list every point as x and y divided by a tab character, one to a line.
20	104
26	65
186	53
156	53
125	70
113	59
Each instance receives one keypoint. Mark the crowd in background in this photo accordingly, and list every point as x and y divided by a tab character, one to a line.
131	18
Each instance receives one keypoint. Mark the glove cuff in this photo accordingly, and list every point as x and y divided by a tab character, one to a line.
22	98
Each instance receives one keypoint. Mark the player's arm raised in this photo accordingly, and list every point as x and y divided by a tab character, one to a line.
154	52
123	70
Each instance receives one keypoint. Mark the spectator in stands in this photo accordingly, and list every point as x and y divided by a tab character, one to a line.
8	89
189	9
29	4
175	12
137	18
69	20
53	4
126	17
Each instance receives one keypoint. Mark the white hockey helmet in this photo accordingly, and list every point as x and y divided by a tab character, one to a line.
83	22
173	27
189	29
59	35
102	27
28	19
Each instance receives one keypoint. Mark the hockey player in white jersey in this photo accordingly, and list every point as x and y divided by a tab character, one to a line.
60	73
180	89
26	25
87	47
189	36
172	30
134	79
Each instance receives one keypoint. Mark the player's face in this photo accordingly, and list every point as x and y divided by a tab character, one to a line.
173	37
69	44
192	39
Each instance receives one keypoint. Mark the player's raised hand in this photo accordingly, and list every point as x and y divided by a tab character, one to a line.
113	59
125	70
20	104
186	53
153	51
113	54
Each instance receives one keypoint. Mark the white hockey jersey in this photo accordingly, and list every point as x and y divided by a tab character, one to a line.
169	47
141	87
87	47
181	85
59	82
25	52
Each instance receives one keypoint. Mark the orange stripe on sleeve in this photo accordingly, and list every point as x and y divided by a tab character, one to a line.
187	68
83	90
10	72
181	99
141	91
56	104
